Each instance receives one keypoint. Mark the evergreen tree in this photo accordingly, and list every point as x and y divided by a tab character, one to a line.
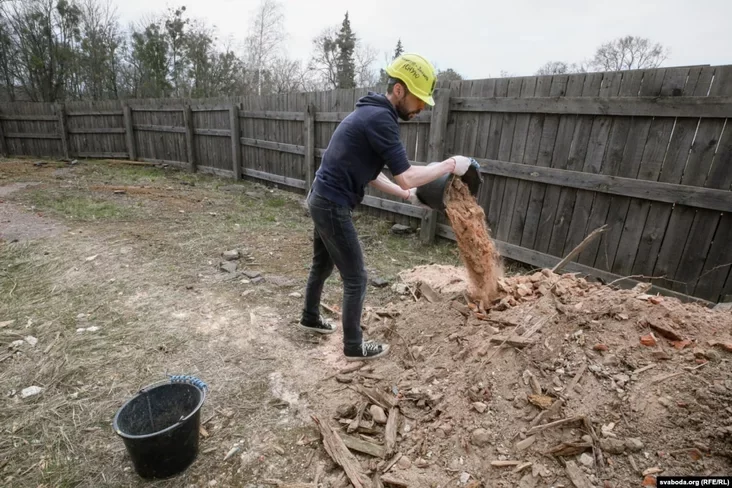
346	42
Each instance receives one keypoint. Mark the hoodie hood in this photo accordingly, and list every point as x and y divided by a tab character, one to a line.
376	100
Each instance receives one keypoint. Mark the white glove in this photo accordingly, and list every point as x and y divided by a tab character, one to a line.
412	198
461	165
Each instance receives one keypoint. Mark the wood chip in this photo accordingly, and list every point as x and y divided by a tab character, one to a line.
392	462
576	475
514	341
522	467
363	446
505	464
575	381
340	454
651	471
569	449
392	425
431	295
541	428
356	422
541	401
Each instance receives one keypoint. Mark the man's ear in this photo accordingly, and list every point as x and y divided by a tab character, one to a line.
399	90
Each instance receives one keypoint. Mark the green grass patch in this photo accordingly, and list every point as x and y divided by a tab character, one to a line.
79	207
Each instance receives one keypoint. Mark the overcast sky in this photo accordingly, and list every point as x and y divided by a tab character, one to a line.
481	38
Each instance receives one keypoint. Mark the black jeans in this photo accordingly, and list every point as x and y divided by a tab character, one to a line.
335	242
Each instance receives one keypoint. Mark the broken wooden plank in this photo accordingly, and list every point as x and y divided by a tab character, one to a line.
569	449
377	397
390	436
340	454
363	446
514	341
541	428
576	475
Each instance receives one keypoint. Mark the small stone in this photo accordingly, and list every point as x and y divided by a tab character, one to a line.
404	463
648	340
464	478
295	295
341	378
377	413
400	288
634	444
257	280
421	463
600	347
401	229
228	266
16	344
213	483
251	274
587	439
526	443
31	340
480	437
30	391
712	355
586	459
480	407
232	255
378	282
622	379
613	446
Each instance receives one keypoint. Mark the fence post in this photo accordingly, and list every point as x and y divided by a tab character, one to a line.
435	152
129	132
309	138
62	130
190	147
235	140
3	146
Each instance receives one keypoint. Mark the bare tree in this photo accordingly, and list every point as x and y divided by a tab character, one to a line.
324	59
286	75
365	57
629	52
267	34
448	75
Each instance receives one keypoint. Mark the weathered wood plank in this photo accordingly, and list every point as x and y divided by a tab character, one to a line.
651	165
684	106
159	128
518	150
630	167
309	140
270	115
272	178
569	150
103	155
29	118
212	132
28	135
97	130
274	146
435	152
95	113
3	144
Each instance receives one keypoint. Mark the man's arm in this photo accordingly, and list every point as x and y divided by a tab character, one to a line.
384	184
421	175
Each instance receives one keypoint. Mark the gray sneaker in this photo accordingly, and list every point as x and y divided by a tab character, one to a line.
366	351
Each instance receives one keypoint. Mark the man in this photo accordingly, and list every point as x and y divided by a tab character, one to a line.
362	144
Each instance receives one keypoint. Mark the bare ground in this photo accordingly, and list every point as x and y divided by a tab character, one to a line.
135	251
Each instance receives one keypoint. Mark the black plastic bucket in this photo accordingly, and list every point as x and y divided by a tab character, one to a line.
160	427
433	194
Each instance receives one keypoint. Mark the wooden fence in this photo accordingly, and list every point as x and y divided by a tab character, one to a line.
647	152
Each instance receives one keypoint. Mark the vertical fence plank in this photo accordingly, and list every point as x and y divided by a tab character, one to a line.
435	152
3	146
190	145
235	141
63	130
129	132
309	140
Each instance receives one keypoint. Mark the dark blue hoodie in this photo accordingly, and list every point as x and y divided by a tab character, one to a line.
365	141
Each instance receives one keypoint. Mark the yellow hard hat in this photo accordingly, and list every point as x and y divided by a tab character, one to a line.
417	73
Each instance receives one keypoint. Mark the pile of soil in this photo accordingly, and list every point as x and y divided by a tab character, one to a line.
559	382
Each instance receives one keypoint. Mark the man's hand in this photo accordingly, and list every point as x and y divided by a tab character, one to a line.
461	165
412	198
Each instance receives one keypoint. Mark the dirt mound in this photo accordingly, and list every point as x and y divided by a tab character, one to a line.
560	381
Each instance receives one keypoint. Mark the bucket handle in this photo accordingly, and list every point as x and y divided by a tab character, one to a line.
191	380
